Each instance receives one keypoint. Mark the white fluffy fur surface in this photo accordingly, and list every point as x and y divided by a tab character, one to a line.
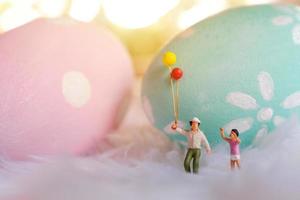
143	164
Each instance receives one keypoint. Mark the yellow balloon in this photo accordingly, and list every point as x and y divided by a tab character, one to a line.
169	59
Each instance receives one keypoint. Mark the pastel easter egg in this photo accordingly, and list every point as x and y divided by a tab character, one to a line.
62	85
241	70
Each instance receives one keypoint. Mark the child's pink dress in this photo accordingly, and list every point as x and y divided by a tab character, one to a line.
234	150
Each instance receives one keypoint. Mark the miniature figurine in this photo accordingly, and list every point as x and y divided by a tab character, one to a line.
234	143
195	139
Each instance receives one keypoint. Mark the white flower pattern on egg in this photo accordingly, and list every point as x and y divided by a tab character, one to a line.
264	114
292	16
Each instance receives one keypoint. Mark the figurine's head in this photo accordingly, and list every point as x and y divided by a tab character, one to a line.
195	123
234	133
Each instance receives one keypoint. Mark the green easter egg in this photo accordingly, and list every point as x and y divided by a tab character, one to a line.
241	70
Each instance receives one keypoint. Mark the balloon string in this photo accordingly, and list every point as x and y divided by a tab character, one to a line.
177	100
173	96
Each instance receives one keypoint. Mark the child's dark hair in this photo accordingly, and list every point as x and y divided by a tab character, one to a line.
192	122
236	132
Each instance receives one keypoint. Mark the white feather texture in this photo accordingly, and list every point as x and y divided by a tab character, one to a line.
142	164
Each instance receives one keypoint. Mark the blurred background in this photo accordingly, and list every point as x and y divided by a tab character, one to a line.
143	26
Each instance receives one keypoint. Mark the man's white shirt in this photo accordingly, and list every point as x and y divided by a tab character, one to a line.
195	139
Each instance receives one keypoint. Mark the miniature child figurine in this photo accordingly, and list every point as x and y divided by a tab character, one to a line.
195	138
234	143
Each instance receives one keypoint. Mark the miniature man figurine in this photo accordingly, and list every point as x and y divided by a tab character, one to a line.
195	139
234	143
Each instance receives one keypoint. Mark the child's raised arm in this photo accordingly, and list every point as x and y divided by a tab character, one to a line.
223	135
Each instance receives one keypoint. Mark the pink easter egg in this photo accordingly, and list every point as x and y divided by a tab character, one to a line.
62	87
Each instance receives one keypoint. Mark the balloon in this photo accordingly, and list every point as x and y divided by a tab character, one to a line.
176	73
169	58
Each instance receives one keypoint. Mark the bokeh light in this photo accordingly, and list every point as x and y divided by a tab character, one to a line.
83	10
135	14
53	8
144	26
17	13
253	2
201	10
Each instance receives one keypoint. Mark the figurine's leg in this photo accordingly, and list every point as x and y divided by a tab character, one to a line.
232	164
238	164
187	160
197	154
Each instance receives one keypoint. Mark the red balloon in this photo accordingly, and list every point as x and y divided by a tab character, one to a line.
176	73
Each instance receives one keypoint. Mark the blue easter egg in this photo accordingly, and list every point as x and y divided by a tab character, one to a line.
241	70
